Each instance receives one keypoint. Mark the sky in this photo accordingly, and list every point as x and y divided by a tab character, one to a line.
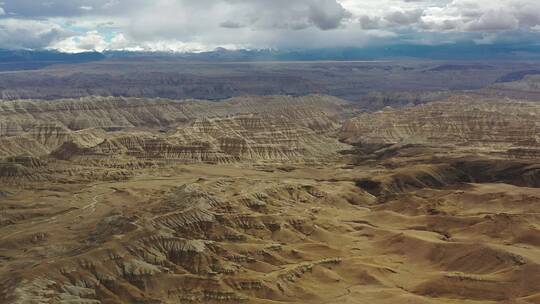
203	25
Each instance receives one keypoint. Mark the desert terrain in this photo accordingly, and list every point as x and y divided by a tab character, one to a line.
273	199
370	84
269	152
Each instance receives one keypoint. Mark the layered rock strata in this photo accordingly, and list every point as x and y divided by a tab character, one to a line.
506	125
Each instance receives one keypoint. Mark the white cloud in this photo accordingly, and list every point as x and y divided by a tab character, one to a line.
89	41
110	4
483	15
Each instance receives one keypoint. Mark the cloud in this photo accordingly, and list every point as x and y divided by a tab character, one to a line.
48	8
483	15
231	24
29	34
327	14
166	19
404	17
370	23
494	21
203	24
89	41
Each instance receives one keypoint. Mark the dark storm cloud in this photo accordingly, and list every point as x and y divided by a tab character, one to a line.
231	24
327	14
404	17
292	14
29	34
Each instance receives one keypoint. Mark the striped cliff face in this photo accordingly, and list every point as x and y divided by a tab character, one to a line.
265	128
460	121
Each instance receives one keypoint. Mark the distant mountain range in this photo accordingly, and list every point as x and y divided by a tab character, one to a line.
27	59
13	60
435	52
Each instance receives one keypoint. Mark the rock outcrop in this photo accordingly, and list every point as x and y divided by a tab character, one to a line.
249	128
116	112
459	121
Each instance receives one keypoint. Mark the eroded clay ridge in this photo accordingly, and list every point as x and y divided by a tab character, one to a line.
253	240
273	127
459	121
190	251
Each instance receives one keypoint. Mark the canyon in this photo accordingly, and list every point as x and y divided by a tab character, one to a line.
270	199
